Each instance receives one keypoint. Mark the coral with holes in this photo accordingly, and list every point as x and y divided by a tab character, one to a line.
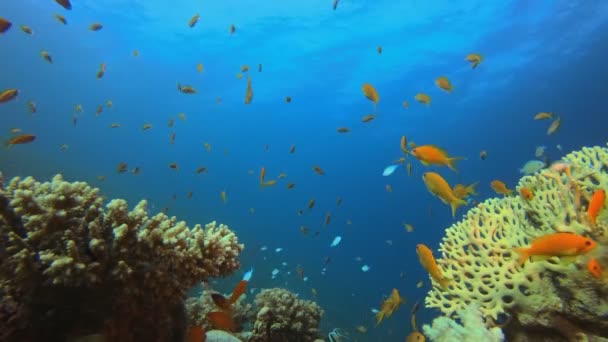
542	296
70	267
284	317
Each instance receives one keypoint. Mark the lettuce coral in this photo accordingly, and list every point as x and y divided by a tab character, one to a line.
543	296
70	266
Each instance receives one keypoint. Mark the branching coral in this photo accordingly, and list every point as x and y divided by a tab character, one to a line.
478	254
284	317
69	266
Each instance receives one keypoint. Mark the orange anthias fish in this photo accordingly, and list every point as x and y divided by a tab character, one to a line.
249	91
197	334
526	194
431	154
404	145
65	4
474	59
192	22
556	244
425	255
444	83
423	98
4	25
389	306
595	268
595	205
462	191
318	170
440	188
262	175
21	139
500	188
221	320
8	94
370	93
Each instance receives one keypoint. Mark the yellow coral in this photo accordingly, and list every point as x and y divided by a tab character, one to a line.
477	252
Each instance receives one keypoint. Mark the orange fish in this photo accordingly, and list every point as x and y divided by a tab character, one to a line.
425	255
4	25
311	203
595	268
221	320
526	194
595	205
249	92
288	99
8	94
262	175
500	187
431	154
174	166
327	218
404	145
65	4
197	334
21	139
556	244
318	170
389	306
370	93
462	191
444	83
440	188
194	20
95	27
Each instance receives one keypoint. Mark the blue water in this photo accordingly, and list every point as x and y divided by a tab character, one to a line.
538	56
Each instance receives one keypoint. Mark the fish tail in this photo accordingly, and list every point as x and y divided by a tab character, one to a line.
445	283
524	254
456	204
475	64
452	162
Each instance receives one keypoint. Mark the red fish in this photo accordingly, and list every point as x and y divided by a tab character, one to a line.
221	320
197	334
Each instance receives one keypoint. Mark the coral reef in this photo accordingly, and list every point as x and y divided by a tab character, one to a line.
553	299
284	317
445	329
70	268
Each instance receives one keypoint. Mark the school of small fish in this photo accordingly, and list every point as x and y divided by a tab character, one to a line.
428	155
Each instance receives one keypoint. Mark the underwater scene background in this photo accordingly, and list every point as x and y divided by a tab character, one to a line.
538	56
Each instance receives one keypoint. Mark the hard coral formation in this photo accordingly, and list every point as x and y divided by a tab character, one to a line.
69	267
284	317
444	329
542	296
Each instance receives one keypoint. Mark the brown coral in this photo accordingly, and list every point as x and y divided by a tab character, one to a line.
284	317
70	267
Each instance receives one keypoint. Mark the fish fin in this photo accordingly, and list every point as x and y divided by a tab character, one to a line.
455	204
425	163
524	254
445	283
452	162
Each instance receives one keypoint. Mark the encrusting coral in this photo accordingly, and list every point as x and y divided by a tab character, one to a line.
284	317
552	299
69	267
444	329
